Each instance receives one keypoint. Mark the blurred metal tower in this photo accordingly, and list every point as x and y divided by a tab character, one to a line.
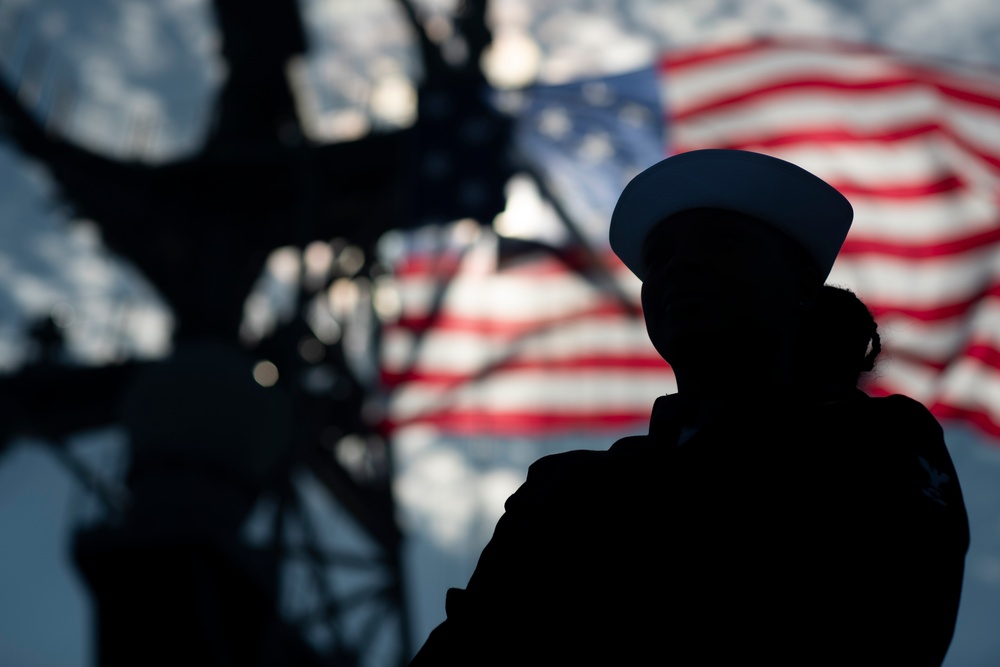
192	555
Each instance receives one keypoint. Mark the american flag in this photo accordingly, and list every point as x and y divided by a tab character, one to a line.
505	337
524	338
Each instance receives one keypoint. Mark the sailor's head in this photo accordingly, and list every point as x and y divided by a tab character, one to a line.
727	241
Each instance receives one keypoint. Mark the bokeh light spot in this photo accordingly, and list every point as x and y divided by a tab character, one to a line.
265	373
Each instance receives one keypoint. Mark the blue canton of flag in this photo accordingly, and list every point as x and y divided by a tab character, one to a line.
583	141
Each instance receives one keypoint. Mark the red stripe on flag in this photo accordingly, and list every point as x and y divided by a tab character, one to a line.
701	55
479	423
554	261
870	246
937	312
581	364
946	183
829	135
985	353
810	84
981	419
506	329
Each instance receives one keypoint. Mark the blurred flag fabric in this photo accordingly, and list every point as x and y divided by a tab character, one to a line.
543	341
534	328
530	331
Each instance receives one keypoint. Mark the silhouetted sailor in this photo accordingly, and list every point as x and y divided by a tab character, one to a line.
756	523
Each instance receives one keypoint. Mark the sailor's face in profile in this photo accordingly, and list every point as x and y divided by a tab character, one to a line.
718	275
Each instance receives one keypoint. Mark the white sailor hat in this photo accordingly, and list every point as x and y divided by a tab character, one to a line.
796	202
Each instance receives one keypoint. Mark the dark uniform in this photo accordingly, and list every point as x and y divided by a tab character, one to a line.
771	532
